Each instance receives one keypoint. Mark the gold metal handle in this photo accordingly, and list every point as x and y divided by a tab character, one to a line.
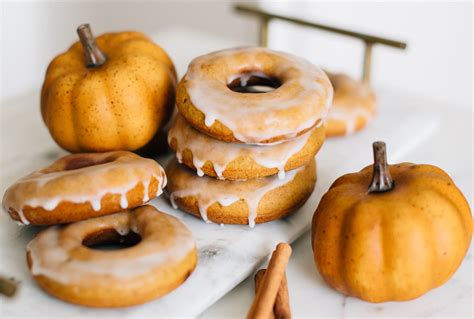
369	40
367	62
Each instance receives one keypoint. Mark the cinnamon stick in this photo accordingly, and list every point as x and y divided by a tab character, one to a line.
8	287
258	284
281	308
262	306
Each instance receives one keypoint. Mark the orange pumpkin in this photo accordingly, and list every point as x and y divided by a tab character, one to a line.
108	95
396	239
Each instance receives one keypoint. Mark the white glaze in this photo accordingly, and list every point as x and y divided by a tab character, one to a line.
244	77
220	154
55	258
208	190
23	219
348	115
353	100
84	185
243	113
146	186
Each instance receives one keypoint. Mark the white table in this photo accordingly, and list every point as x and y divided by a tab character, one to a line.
309	295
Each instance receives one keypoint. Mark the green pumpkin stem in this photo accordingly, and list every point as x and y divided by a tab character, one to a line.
381	179
92	54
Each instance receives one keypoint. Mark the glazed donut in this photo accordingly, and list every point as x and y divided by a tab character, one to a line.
302	96
239	202
163	255
353	105
233	161
82	186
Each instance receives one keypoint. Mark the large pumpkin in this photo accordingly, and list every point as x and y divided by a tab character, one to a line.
396	239
112	94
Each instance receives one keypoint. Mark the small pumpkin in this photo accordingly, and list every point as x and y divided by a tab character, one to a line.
391	232
109	94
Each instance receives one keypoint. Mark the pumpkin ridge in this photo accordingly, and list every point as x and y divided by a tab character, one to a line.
394	276
460	212
435	253
319	252
346	228
52	74
433	248
428	177
378	233
172	73
47	85
152	87
118	120
383	235
74	108
424	180
138	79
51	109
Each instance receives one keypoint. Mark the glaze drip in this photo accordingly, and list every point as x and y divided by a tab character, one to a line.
254	118
208	191
349	115
221	154
48	187
55	258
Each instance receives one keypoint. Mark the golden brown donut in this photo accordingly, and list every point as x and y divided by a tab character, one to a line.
239	202
162	255
235	161
299	102
354	104
82	186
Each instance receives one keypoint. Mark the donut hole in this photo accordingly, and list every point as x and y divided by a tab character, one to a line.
253	82
78	162
110	239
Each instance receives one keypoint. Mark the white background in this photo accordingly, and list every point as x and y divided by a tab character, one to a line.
437	63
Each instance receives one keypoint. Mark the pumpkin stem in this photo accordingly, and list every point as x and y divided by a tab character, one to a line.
381	179
92	54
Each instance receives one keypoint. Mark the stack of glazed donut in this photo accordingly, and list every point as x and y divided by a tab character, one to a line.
100	197
248	128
